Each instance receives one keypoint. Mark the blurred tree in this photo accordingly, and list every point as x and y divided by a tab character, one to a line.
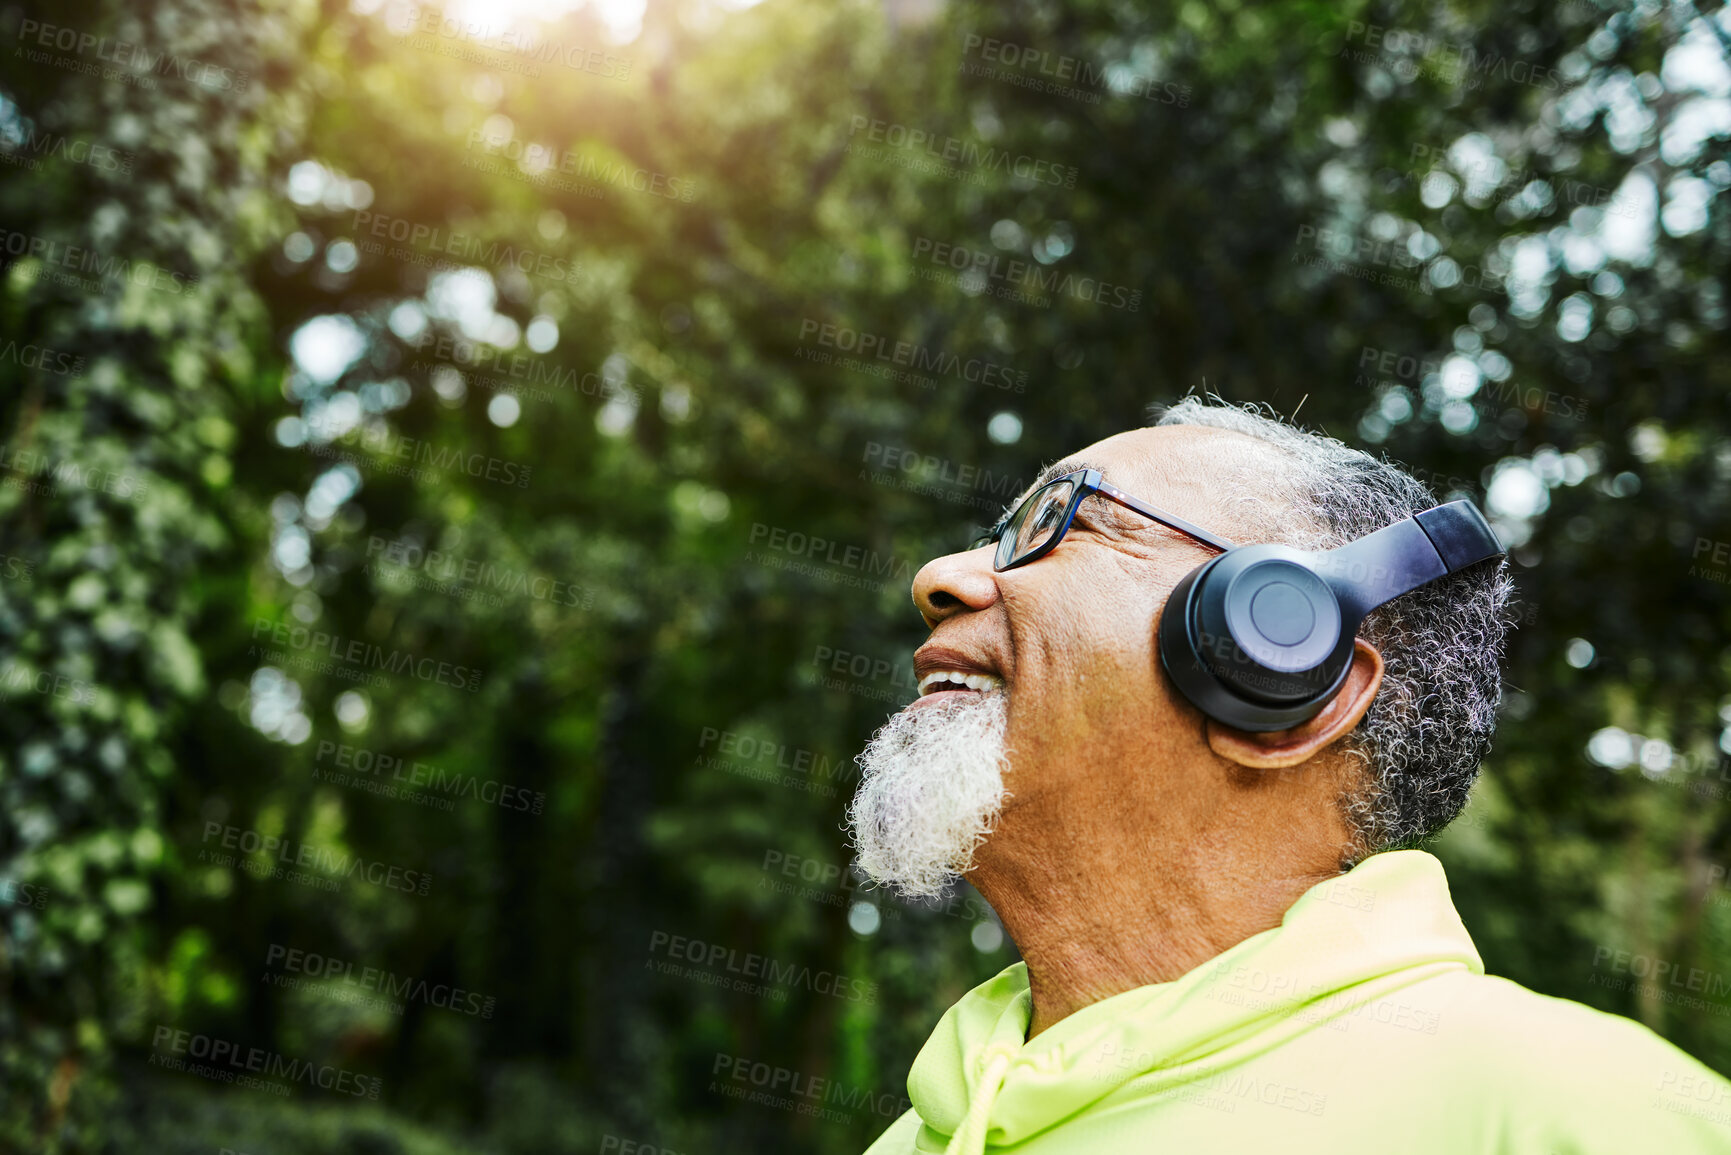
126	323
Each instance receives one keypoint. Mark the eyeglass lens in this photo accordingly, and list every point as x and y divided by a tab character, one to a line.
1041	516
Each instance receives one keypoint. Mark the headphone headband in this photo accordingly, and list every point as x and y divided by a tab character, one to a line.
1460	534
1412	552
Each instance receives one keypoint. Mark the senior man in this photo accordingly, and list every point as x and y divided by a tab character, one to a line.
1228	943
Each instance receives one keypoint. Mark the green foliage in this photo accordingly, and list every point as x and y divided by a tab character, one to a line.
117	448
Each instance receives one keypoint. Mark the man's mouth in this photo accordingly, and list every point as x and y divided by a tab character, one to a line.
945	681
942	672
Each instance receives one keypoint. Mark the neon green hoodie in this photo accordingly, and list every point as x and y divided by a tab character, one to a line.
1364	1022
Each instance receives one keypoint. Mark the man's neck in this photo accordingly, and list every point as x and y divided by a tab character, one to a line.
1092	921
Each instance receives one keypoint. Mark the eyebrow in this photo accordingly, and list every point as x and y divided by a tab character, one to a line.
1056	470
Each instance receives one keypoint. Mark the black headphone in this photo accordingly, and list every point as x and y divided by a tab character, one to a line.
1260	638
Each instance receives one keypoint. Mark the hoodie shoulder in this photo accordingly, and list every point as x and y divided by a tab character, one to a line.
1556	1072
1514	1024
903	1138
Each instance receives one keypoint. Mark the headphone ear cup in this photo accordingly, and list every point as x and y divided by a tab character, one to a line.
1255	638
1282	622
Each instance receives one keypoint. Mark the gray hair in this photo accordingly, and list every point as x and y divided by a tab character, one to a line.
1430	726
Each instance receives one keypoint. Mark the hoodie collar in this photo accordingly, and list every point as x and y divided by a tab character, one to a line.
1383	925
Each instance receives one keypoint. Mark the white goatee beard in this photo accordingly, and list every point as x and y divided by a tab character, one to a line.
931	787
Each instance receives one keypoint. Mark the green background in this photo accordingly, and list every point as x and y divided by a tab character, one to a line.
1290	190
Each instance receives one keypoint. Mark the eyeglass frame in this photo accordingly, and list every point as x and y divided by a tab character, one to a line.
1087	483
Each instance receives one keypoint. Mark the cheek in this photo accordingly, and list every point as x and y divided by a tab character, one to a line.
1096	679
1125	694
1087	669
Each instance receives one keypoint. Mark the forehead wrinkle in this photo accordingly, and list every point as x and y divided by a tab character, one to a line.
1239	482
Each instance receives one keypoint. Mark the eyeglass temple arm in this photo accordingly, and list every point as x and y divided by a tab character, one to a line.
1168	519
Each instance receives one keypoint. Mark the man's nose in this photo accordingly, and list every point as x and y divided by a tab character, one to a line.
954	583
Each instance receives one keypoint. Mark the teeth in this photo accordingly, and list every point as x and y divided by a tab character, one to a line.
985	683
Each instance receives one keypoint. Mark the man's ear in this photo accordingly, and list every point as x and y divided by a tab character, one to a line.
1283	748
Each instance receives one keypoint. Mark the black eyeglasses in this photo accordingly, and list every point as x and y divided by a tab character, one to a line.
1035	527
